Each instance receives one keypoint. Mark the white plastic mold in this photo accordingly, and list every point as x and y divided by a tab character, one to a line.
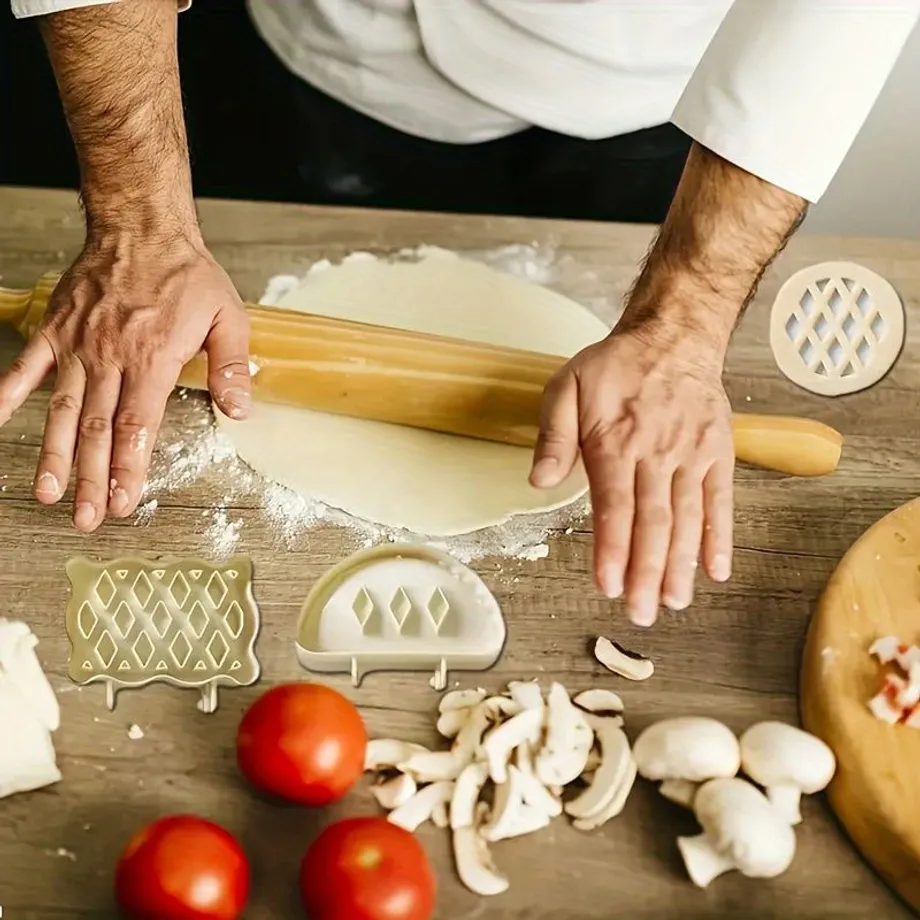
836	328
400	607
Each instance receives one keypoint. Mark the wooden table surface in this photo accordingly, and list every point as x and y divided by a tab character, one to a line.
734	655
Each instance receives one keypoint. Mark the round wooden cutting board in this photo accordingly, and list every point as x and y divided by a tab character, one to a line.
874	592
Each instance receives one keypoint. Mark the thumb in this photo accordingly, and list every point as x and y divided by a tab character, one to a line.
557	443
227	348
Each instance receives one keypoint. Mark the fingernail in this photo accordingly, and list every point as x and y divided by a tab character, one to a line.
236	401
118	504
47	486
721	568
611	581
675	603
84	515
644	611
545	472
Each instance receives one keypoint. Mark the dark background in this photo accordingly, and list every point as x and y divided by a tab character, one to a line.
36	148
257	132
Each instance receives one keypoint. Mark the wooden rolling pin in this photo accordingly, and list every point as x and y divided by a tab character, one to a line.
431	382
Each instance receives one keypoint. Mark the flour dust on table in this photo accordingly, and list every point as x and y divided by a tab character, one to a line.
420	481
195	449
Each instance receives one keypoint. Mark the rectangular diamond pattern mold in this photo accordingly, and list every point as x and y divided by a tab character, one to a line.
189	623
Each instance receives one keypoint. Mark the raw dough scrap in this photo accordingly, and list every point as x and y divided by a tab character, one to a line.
425	482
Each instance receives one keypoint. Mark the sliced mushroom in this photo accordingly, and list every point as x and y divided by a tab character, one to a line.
527	694
599	700
616	804
527	821
621	661
474	863
680	791
615	759
450	722
439	816
461	699
432	766
468	742
506	807
594	760
395	792
533	791
581	750
559	761
504	738
386	753
417	810
466	792
499	706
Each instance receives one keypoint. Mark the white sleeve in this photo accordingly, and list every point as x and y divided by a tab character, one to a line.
785	85
25	8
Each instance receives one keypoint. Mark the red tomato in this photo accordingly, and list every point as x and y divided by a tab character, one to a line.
182	868
367	869
302	742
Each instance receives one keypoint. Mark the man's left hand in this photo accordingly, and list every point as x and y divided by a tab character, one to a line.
652	424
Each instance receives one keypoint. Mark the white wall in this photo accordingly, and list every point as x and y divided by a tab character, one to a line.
877	190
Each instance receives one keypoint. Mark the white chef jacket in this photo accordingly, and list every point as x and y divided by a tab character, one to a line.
778	87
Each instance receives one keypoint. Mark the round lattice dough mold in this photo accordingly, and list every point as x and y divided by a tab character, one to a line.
836	328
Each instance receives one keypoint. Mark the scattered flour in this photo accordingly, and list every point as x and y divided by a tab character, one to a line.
222	533
533	553
145	512
198	450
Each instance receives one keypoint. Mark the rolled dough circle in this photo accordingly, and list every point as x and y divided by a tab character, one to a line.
425	482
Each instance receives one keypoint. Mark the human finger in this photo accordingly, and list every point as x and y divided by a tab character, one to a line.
686	537
612	480
557	443
60	438
26	374
134	432
718	510
650	541
94	448
227	348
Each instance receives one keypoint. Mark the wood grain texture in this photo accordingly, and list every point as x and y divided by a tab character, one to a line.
734	655
874	592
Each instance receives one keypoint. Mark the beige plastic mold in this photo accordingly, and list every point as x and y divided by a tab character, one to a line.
189	623
400	607
836	328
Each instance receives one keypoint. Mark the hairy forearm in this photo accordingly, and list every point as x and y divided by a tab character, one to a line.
117	72
724	228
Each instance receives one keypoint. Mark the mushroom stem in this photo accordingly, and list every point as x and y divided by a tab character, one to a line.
679	791
785	799
702	860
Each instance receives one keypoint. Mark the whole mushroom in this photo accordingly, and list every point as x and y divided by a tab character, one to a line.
741	831
788	763
689	748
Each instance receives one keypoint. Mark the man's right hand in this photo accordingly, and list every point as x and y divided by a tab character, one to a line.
123	321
